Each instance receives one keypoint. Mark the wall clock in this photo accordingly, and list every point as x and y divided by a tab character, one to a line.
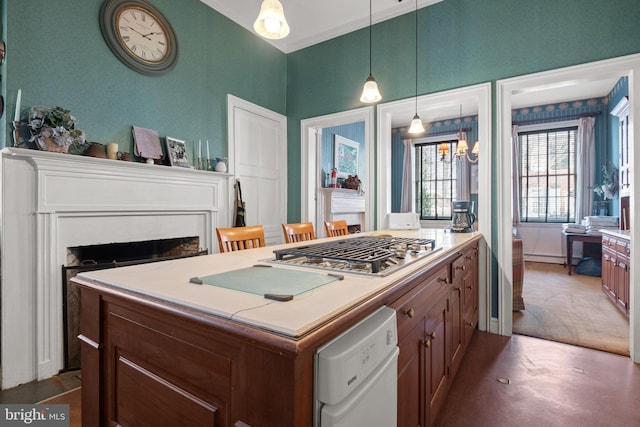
139	35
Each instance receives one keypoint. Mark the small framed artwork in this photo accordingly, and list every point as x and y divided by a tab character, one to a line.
177	152
346	156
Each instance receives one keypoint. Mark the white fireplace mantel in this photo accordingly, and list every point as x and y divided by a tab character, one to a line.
53	201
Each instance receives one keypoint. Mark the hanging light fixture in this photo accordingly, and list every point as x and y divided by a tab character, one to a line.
462	148
416	123
271	23
370	92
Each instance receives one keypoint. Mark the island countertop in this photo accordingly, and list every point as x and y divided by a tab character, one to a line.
169	281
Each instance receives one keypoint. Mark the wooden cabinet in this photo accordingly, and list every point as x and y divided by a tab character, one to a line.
435	322
615	270
147	361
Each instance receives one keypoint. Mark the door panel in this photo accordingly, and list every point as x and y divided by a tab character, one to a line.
259	157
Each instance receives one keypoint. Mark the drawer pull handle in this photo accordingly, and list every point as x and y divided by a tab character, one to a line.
432	335
443	279
470	324
456	288
427	343
411	312
461	267
469	287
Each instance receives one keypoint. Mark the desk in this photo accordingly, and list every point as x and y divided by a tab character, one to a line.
578	237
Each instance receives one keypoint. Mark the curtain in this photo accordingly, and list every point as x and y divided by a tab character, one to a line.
515	174
585	166
406	202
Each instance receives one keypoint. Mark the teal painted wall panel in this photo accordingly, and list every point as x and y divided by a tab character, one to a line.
58	57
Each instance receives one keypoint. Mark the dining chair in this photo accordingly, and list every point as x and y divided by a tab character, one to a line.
336	228
298	232
240	238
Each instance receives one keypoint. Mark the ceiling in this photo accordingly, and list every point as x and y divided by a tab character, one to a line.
315	21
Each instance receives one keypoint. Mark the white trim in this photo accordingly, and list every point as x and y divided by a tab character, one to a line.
550	125
309	174
617	67
477	95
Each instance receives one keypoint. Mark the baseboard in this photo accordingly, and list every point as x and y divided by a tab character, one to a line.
549	259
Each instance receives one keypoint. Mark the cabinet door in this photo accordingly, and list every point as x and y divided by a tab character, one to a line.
411	395
622	283
456	297
608	271
437	355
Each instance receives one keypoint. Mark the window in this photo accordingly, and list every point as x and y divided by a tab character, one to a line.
548	175
435	181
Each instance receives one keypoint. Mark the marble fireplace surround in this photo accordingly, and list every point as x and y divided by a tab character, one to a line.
53	201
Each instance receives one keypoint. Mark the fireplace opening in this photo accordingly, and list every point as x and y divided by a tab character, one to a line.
98	257
354	228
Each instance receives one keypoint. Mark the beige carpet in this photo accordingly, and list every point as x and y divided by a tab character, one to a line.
570	309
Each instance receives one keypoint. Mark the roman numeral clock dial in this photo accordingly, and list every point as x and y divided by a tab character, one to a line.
139	35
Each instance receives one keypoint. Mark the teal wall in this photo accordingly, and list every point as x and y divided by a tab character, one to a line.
57	56
461	42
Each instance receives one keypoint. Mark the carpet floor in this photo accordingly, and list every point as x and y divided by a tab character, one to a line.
570	309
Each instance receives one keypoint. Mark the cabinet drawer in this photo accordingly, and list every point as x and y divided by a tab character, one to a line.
622	247
412	306
608	242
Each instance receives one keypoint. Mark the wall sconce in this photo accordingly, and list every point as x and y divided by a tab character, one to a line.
443	151
463	150
271	23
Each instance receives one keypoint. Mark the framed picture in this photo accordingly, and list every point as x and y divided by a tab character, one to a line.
177	152
473	177
346	156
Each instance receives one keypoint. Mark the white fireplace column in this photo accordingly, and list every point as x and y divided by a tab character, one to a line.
53	201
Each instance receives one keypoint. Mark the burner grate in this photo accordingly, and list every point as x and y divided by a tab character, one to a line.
370	250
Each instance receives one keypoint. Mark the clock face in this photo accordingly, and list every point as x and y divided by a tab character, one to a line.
143	34
139	35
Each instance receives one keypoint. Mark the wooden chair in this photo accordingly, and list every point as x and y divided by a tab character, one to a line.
240	238
298	232
336	228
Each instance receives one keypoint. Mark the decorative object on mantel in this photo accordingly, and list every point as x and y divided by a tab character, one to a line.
221	164
96	150
147	145
352	182
54	129
177	152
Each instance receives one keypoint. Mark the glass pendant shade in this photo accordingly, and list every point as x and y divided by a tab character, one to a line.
462	147
271	23
370	92
476	148
416	125
443	149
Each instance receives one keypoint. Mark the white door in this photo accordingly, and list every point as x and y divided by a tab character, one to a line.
258	158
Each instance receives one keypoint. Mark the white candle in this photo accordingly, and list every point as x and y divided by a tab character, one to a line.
208	157
199	148
16	118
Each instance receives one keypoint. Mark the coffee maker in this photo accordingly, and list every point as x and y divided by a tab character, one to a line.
462	218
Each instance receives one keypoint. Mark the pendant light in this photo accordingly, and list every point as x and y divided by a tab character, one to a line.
416	123
462	146
271	23
370	92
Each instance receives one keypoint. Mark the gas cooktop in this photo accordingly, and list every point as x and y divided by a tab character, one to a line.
370	255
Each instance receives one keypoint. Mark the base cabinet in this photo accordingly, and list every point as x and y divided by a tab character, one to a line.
435	322
615	270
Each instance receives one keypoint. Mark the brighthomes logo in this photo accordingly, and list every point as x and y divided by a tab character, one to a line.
37	415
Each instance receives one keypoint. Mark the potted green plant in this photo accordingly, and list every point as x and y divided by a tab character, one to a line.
608	187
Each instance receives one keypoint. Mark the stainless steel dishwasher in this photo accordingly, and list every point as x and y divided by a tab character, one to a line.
356	375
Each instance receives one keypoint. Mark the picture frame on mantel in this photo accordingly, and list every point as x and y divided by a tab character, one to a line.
177	152
346	156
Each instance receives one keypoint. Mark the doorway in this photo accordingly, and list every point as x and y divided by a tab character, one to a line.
312	167
536	83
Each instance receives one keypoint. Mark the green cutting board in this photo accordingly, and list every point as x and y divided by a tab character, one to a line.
269	280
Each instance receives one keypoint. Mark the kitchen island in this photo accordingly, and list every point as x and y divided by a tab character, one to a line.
157	348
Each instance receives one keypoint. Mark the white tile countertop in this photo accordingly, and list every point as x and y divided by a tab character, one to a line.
169	281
